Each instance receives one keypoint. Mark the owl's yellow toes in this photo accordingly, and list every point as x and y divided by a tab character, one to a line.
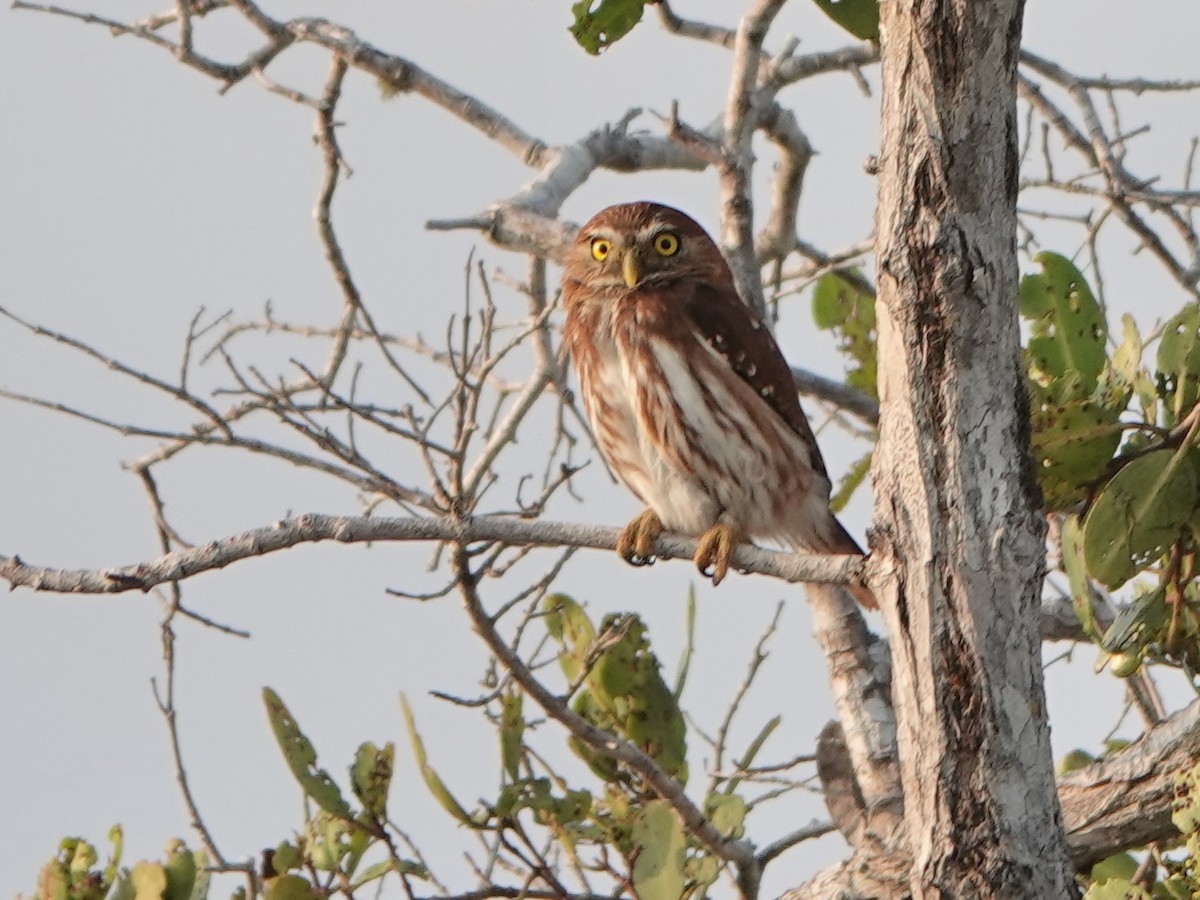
636	543
714	551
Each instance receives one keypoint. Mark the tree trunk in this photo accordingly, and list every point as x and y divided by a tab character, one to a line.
960	535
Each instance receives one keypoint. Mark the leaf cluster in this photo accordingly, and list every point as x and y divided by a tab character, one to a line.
73	873
1114	429
602	821
1114	444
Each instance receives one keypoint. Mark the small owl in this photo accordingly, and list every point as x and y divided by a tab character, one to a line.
691	401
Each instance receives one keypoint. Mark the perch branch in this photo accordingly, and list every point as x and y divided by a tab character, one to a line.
314	527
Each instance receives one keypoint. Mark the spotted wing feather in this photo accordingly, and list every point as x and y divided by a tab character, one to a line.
729	327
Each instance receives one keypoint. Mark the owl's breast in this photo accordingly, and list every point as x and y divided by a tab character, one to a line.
610	410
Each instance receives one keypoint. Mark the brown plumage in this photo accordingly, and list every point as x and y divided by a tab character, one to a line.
691	401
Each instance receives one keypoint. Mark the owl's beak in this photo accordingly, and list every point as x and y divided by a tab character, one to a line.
629	267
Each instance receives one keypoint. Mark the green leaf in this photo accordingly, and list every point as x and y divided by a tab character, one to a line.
386	867
288	887
1116	889
371	776
1139	624
1179	364
1175	887
286	856
1127	358
181	871
599	28
573	806
570	626
325	841
203	875
149	881
756	745
656	724
512	734
1185	807
1075	760
53	883
82	857
702	871
433	781
301	758
658	870
603	767
1138	515
1075	566
1072	445
841	306
371	873
626	682
1120	865
1069	332
624	691
617	670
859	17
122	888
727	812
117	838
853	480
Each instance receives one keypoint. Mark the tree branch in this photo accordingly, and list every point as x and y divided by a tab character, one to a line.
738	852
1123	800
315	527
1120	801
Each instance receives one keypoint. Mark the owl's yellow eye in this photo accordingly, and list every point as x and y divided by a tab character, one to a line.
666	243
601	247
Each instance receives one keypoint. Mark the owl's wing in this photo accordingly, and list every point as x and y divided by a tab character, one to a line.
729	327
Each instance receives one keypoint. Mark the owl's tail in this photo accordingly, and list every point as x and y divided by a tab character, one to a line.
863	595
836	540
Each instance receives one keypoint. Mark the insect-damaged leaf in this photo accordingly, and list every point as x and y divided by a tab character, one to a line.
1179	364
371	776
599	28
301	758
1066	352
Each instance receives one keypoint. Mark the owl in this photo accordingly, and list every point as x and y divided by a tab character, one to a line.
691	402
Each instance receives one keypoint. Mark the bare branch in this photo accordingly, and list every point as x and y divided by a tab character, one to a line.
778	237
314	527
742	111
788	841
326	139
837	393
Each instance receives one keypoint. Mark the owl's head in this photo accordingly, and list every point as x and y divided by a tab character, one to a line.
640	245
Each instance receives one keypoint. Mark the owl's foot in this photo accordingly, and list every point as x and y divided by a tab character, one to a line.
714	551
636	542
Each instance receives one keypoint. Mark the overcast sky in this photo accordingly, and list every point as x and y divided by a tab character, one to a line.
132	194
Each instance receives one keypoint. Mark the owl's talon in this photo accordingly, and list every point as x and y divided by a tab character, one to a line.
715	551
636	541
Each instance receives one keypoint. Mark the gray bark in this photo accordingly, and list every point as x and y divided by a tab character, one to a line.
960	537
1124	800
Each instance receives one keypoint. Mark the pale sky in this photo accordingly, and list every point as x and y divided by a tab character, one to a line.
132	194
